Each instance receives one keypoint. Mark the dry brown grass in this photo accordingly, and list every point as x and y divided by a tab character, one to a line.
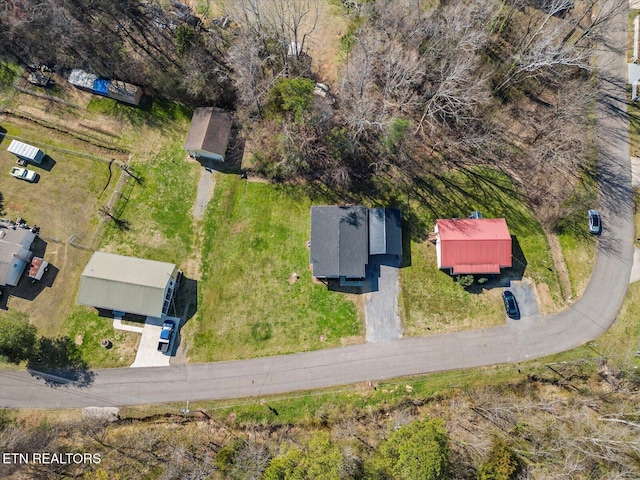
63	202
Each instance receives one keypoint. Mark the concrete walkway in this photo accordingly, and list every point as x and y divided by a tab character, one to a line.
635	170
117	324
148	354
635	270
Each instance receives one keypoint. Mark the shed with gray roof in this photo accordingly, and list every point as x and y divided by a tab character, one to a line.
209	133
128	284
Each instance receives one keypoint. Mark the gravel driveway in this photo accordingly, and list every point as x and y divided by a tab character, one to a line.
206	185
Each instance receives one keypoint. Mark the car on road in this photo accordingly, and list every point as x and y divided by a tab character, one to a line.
166	334
23	174
511	304
595	222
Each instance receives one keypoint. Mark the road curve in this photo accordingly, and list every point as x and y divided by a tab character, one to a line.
529	338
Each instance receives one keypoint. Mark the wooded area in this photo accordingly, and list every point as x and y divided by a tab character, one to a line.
420	88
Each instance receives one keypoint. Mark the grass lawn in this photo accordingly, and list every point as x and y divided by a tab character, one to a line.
255	238
578	245
158	210
87	330
579	256
431	302
156	114
8	74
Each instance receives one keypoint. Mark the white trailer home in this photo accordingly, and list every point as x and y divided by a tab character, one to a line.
26	152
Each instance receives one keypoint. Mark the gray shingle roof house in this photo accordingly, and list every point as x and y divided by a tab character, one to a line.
208	134
339	242
15	252
128	284
343	238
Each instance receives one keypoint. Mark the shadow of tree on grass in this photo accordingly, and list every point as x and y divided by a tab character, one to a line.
58	361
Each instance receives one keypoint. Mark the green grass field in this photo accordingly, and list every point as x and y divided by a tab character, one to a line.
157	210
578	245
9	72
255	238
87	330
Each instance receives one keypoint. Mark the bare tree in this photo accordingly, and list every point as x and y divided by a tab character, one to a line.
555	39
359	95
455	86
282	26
250	80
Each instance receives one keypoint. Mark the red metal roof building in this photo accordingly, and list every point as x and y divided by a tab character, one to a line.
473	246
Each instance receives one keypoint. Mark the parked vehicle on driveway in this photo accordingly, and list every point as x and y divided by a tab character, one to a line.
595	222
166	335
39	266
511	304
23	174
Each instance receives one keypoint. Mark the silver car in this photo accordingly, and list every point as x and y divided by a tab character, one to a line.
595	223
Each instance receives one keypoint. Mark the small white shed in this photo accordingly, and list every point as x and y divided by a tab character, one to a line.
26	151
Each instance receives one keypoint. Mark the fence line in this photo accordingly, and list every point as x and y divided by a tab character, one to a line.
115	196
45	96
50	239
72	240
48	146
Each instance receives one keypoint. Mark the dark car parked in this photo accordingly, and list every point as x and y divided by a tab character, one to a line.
166	334
511	304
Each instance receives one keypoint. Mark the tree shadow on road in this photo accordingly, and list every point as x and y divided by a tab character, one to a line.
58	361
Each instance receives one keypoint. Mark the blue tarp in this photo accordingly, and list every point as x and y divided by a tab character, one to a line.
101	86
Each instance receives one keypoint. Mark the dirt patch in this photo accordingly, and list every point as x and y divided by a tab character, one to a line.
352	340
559	265
545	300
192	268
293	278
324	43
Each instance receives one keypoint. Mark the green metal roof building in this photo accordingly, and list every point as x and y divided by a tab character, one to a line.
128	284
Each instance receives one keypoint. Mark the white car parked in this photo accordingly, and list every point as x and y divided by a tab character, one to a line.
23	174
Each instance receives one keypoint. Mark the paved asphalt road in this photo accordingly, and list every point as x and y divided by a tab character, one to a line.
528	338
